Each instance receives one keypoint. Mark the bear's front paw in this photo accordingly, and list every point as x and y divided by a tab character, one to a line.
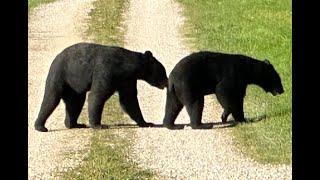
41	128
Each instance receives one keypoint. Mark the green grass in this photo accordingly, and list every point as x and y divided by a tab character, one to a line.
105	24
34	3
108	154
107	160
261	29
109	150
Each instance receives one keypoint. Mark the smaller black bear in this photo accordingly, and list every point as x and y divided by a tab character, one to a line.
102	70
226	75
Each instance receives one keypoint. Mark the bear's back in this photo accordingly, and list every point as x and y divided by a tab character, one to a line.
211	67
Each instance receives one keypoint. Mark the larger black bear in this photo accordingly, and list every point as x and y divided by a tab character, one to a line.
102	70
226	75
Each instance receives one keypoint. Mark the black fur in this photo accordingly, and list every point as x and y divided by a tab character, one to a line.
226	75
102	70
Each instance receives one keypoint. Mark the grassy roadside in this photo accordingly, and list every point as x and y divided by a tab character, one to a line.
108	155
34	3
105	23
261	29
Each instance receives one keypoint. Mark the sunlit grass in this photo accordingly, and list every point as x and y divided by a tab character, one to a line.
260	29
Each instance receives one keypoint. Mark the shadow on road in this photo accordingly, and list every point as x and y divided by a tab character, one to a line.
216	125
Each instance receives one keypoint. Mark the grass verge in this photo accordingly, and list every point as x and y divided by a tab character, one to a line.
108	156
34	3
105	22
109	150
261	29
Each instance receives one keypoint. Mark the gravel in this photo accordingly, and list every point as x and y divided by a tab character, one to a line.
183	154
53	27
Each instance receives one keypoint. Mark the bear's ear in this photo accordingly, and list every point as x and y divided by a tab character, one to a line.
148	54
267	62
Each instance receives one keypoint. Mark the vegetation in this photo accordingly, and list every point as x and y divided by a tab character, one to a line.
108	156
105	22
34	3
261	29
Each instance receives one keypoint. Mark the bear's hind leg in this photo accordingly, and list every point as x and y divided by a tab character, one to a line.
173	108
194	110
74	103
50	102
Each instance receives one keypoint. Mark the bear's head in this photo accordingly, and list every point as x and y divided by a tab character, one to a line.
271	81
154	72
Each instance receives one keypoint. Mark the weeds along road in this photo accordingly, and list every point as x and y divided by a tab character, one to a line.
182	154
51	28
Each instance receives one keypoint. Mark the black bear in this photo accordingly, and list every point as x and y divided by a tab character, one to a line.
102	70
226	75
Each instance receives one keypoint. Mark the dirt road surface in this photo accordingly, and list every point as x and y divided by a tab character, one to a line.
184	154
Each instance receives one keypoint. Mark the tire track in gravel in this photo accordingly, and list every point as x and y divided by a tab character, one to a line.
51	28
185	154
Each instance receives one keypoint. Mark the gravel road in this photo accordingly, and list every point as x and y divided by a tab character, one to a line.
185	154
51	28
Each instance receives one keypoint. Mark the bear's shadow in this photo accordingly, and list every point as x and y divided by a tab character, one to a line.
232	123
216	125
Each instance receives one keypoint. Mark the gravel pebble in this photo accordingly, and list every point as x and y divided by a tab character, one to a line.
182	154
